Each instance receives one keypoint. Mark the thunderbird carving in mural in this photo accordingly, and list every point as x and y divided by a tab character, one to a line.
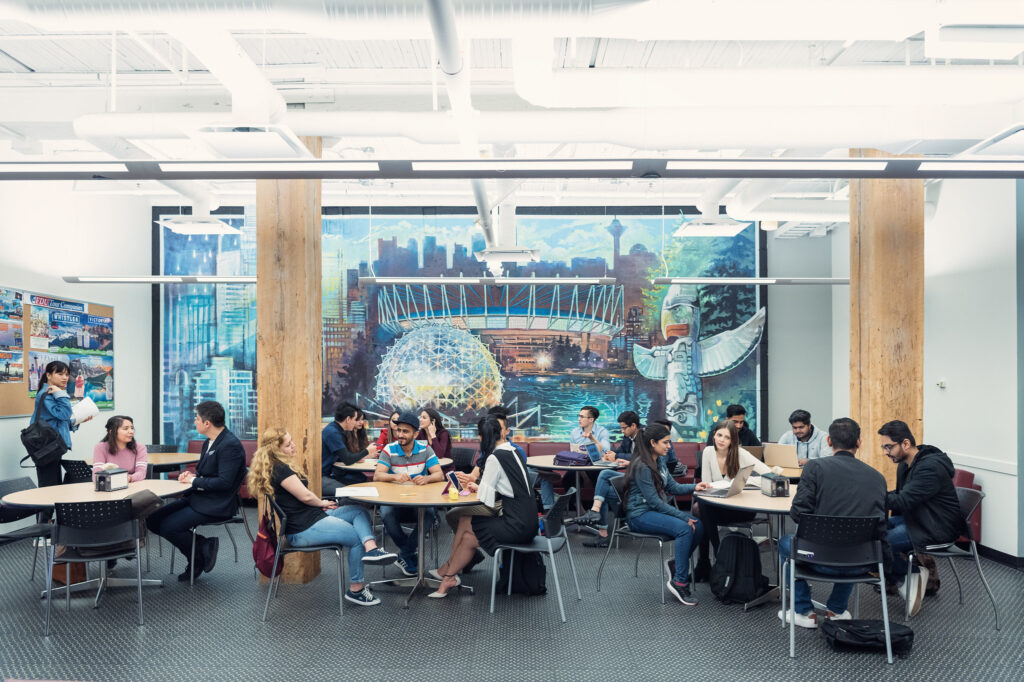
686	360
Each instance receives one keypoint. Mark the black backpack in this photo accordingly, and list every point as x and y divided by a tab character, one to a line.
867	635
528	575
736	577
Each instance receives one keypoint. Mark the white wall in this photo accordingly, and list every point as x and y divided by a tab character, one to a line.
47	231
799	333
971	343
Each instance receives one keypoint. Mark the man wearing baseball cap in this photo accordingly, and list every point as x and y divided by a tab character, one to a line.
403	461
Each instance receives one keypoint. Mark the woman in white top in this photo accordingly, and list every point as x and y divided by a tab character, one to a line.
721	462
503	479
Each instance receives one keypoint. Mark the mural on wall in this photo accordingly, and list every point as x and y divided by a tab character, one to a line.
543	350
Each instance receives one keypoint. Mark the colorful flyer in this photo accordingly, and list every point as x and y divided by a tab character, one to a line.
100	331
58	304
37	364
92	376
10	304
67	332
11	334
12	367
39	328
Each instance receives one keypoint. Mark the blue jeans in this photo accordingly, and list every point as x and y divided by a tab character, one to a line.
407	544
348	526
685	537
604	492
841	592
899	541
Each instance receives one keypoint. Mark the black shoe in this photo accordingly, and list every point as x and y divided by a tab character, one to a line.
681	592
111	564
477	558
702	571
679	470
210	548
186	575
597	542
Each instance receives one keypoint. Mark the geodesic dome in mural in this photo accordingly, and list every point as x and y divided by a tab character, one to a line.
439	366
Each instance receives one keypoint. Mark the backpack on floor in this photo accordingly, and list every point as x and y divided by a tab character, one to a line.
867	635
529	575
736	577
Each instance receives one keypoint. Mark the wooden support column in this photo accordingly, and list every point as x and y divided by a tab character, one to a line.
288	324
886	309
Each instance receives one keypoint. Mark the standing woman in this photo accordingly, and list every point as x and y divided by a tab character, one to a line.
53	406
647	507
433	431
119	447
387	434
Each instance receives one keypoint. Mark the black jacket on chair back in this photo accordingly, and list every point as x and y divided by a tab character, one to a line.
219	474
840	485
926	498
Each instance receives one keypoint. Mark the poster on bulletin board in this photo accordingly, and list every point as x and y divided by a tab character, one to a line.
36	329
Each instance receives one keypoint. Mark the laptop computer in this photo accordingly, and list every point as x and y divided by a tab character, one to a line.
595	455
776	455
738	484
755	450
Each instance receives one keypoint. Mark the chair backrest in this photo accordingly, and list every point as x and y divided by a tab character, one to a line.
531	477
158	447
76	471
838	540
969	500
619	484
13	485
85	524
556	515
462	458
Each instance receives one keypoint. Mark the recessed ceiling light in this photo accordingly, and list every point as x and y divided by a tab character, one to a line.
197	225
538	165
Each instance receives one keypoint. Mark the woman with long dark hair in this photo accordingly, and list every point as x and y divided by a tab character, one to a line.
387	434
434	433
356	439
648	485
503	480
119	447
53	406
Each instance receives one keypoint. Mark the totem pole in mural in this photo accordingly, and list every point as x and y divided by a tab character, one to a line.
685	361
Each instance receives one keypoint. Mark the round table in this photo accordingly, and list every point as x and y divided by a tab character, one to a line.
369	465
410	495
547	463
158	462
44	498
755	501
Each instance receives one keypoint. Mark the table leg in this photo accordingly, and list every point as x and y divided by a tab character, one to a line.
420	558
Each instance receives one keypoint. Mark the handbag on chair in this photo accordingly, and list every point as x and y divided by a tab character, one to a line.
264	548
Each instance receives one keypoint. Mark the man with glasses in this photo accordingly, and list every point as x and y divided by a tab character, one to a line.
588	431
925	508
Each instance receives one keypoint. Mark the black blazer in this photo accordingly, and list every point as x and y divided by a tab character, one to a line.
219	474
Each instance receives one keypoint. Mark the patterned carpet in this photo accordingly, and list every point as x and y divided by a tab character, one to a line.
213	631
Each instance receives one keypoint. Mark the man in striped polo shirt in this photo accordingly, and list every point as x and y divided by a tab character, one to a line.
406	460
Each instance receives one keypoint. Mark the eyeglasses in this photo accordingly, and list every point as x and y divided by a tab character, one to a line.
585	416
888	447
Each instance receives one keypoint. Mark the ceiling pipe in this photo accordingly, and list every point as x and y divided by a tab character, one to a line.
446	41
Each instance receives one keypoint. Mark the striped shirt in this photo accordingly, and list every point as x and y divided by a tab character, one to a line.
417	463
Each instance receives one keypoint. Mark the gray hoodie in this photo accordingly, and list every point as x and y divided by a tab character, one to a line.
815	447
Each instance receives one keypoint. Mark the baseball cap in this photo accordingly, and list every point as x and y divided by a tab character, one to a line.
410	418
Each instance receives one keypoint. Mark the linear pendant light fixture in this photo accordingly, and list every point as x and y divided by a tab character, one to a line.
159	279
757	281
489	281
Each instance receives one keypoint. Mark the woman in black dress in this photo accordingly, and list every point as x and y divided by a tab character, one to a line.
504	478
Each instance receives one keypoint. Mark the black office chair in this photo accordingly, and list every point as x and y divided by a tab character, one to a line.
239	517
462	459
969	500
553	541
76	471
107	525
620	529
34	532
284	548
836	542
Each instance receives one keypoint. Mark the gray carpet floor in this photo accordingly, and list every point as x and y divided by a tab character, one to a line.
213	631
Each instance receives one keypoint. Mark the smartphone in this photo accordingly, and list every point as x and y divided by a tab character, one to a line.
453	480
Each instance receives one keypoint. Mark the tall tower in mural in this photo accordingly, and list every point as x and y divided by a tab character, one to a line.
616	229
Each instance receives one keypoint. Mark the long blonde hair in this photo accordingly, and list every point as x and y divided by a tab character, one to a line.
267	456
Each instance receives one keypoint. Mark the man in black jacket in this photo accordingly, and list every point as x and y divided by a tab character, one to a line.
839	485
334	448
925	508
212	493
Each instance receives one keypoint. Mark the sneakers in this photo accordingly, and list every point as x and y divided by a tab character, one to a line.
845	615
681	591
407	567
587	519
679	470
912	590
802	620
363	597
378	557
597	542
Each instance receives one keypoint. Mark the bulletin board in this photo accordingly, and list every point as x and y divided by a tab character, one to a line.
36	329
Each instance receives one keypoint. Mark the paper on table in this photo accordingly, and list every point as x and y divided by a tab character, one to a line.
356	492
84	409
717	485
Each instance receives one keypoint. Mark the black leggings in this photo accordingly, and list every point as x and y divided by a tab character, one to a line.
46	476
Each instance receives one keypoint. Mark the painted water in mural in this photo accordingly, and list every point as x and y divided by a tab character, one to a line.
544	350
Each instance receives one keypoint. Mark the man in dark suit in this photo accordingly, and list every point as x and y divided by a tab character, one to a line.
212	493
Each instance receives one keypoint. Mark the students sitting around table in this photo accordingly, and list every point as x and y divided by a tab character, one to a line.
433	432
836	485
503	485
387	434
629	422
737	414
311	520
118	447
648	483
588	431
339	442
501	414
406	461
721	462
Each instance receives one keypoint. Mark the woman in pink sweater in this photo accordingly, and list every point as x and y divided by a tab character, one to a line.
120	448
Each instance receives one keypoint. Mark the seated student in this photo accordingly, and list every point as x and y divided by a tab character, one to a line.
501	412
406	461
925	508
336	442
721	462
811	443
648	483
504	482
119	447
212	493
837	485
588	431
433	432
737	414
387	434
311	520
671	461
629	422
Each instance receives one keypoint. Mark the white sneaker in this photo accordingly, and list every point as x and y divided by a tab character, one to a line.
845	615
802	620
918	596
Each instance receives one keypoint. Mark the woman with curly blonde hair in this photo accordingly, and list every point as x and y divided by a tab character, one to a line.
311	520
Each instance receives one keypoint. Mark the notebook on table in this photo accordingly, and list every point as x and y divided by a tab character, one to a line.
737	485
